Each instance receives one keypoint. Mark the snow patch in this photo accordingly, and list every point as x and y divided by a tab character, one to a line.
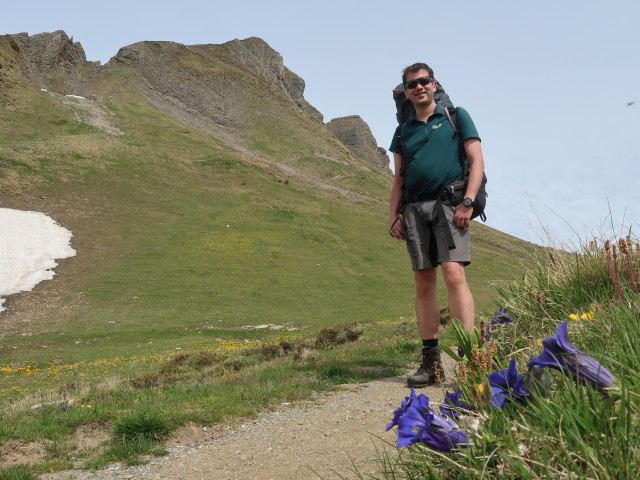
29	244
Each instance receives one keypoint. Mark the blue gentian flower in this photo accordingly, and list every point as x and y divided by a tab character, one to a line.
502	316
419	423
506	385
404	405
453	404
561	355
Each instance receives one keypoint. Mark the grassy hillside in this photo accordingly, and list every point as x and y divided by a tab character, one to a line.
183	238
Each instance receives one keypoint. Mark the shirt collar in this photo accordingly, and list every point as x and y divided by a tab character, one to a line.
438	111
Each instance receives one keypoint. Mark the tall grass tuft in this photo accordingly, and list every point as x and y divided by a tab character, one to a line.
140	426
565	425
18	472
139	433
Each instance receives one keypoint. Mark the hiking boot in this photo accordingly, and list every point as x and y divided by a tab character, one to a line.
430	370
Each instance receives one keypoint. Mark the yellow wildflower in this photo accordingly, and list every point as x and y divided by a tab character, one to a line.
587	316
481	392
539	342
575	317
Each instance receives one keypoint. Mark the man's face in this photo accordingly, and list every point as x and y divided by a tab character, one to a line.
419	94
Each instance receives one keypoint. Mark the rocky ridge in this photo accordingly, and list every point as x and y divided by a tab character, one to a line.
196	84
256	55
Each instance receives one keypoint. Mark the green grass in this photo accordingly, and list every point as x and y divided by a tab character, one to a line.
182	240
19	472
237	248
204	386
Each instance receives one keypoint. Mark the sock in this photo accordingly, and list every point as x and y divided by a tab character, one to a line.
429	344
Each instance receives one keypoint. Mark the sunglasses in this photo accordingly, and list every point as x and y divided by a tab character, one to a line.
424	81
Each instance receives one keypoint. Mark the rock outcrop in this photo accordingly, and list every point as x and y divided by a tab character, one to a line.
256	55
53	60
356	135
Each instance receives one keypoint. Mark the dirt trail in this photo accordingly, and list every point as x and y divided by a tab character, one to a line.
324	439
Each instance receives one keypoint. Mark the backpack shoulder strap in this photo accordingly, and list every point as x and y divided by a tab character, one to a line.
403	165
451	116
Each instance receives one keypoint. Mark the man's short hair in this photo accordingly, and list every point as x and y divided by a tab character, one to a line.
416	67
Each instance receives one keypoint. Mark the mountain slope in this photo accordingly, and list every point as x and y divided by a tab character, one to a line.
204	194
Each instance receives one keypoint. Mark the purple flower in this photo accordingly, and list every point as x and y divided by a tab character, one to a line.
417	422
561	355
453	404
506	385
502	316
404	405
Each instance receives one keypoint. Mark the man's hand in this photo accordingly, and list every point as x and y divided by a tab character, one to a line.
395	228
462	216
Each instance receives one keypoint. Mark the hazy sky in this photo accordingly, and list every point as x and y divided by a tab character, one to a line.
548	83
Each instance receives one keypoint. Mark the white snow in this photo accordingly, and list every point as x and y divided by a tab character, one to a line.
29	244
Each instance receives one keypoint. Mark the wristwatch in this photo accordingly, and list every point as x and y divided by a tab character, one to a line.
467	202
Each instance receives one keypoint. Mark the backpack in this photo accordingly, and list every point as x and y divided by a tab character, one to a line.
453	193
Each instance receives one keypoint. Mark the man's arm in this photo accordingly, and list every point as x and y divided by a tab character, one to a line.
396	195
473	150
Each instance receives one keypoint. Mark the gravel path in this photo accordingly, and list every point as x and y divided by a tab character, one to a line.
324	439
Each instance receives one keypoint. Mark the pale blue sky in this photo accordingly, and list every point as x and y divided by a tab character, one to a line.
547	83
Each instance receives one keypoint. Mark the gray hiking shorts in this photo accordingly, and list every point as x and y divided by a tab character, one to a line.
425	244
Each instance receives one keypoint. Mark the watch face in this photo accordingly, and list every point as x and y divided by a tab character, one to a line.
467	202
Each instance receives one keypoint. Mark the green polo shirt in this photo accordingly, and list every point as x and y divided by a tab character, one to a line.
431	150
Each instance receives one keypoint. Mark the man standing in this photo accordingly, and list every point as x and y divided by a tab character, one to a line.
427	157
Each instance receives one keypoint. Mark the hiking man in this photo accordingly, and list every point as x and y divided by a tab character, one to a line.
427	158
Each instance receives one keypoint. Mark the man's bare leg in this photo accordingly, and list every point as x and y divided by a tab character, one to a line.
428	317
461	303
427	309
